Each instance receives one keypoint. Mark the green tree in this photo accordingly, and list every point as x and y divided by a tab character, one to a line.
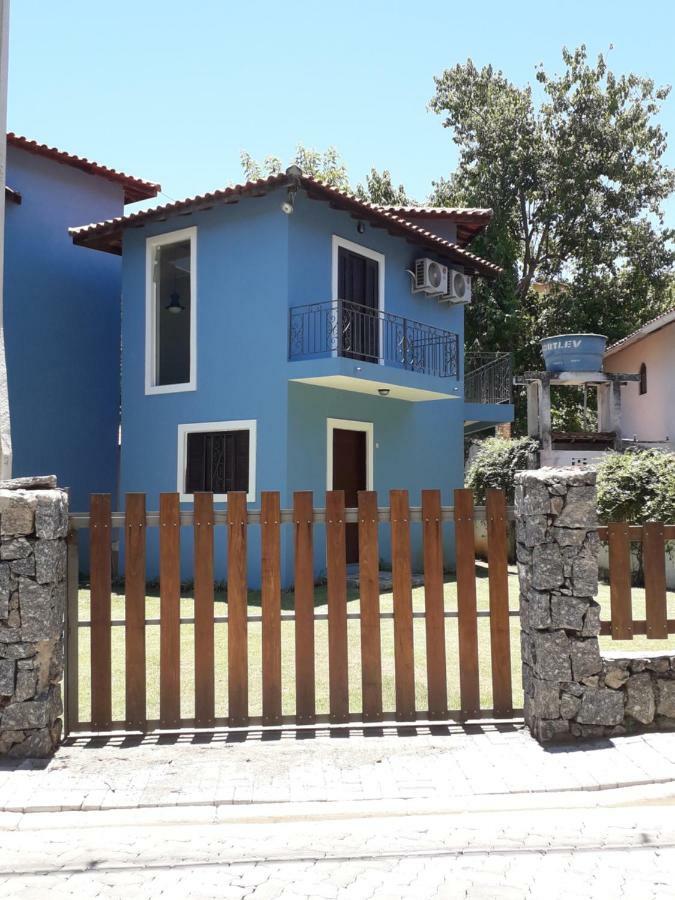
576	178
329	167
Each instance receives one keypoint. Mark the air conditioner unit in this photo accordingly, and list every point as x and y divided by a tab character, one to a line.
430	277
459	288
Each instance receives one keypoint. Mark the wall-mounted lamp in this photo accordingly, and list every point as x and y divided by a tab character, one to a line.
361	227
174	305
289	203
383	392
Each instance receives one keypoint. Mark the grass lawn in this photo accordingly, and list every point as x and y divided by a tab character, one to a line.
321	646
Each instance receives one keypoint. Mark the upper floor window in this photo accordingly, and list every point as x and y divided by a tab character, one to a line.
171	305
643	378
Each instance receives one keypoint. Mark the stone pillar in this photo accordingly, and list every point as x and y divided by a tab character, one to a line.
557	552
33	530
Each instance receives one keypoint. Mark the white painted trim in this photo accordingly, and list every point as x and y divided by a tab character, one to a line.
249	425
171	237
350	425
353	247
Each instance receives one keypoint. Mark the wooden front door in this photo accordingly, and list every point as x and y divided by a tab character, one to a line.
349	475
358	284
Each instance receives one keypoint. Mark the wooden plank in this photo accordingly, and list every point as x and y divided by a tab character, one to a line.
270	508
434	618
169	593
72	673
237	609
305	674
639	627
134	605
100	578
498	580
204	637
336	568
369	589
654	564
635	532
467	626
404	662
620	581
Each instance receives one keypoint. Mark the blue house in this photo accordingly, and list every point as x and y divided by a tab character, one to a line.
62	317
283	335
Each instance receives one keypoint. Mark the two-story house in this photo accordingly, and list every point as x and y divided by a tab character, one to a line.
62	317
283	335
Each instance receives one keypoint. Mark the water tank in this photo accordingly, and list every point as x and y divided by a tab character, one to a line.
573	352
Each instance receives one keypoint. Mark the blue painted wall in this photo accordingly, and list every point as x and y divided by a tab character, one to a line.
253	262
62	327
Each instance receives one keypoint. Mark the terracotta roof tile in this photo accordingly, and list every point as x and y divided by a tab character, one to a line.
108	235
134	188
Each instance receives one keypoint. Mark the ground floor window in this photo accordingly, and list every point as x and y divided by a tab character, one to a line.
217	457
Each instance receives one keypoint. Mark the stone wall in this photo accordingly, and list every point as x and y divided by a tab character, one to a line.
571	690
33	529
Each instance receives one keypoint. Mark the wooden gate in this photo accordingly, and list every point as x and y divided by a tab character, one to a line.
196	672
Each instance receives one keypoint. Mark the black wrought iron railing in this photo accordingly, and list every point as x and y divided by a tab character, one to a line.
343	328
488	377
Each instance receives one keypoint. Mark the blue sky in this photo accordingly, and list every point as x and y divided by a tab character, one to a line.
173	91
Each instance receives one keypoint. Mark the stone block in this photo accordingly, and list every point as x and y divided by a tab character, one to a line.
585	572
665	698
616	676
533	499
601	706
568	537
547	567
640	704
580	510
568	612
23	566
37	617
585	656
539	610
552	656
17	512
50	561
535	530
51	515
546	703
17	548
36	745
659	664
7	672
569	705
591	626
552	729
26	715
26	685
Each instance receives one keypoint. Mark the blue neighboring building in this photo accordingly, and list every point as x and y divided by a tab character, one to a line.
62	317
283	335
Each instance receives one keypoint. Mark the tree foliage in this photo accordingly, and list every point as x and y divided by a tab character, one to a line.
576	178
329	167
636	487
496	463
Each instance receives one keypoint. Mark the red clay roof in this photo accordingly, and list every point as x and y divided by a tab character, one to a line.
134	188
108	235
470	220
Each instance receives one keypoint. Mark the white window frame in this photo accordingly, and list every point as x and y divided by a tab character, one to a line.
151	357
336	243
350	425
250	425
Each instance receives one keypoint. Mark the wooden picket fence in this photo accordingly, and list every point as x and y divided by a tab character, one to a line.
237	520
653	537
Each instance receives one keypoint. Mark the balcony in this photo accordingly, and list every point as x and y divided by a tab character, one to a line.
488	377
350	331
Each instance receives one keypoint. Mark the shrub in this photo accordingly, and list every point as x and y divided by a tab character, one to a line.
637	486
496	463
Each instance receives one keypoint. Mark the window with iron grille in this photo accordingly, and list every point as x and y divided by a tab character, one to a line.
217	458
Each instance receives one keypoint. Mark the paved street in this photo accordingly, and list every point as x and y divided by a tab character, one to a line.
477	812
205	852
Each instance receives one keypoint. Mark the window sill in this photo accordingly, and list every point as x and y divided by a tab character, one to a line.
217	498
170	388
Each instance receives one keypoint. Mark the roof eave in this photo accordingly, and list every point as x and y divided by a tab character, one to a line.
647	329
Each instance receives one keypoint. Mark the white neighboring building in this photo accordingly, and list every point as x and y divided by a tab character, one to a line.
648	406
